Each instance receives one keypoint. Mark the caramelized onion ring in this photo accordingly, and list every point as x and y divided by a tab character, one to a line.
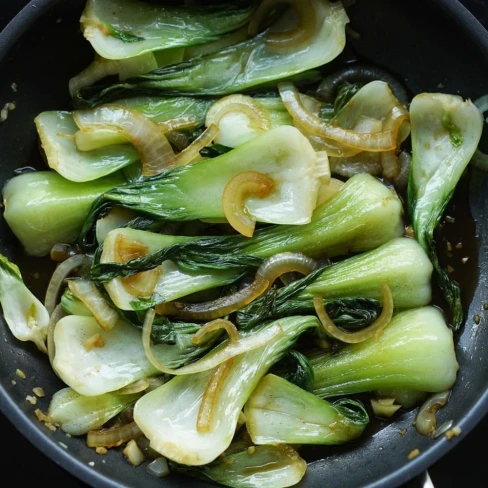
217	356
113	437
236	191
354	337
291	40
212	389
154	148
385	140
258	116
192	153
266	275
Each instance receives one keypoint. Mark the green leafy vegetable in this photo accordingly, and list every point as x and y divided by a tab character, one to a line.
255	467
25	315
362	216
445	134
122	360
168	415
415	342
401	263
236	68
57	131
77	414
127	28
296	368
42	208
279	412
195	191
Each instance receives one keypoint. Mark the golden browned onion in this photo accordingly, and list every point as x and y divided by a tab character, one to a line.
385	140
210	395
113	437
192	153
354	337
291	40
258	116
236	191
271	269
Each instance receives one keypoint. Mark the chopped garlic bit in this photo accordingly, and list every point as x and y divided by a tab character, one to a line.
454	432
62	444
95	340
31	399
51	426
8	107
133	454
402	432
38	391
14	87
101	450
91	463
14	382
20	374
41	415
413	454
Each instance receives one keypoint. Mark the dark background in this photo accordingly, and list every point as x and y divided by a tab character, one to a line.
466	464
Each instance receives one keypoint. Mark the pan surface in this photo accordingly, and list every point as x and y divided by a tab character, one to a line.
434	46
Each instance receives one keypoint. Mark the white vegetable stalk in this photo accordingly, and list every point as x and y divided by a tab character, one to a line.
26	316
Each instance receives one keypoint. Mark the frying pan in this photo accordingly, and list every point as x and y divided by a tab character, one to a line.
434	46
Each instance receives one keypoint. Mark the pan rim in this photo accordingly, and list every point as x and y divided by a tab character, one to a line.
9	36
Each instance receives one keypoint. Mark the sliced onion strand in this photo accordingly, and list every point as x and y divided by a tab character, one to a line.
291	40
425	421
235	193
60	274
154	149
355	337
385	140
219	355
271	269
192	153
113	437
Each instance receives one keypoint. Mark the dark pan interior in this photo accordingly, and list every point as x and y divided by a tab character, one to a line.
432	46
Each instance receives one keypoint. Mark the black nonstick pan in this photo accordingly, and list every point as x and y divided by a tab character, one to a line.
434	46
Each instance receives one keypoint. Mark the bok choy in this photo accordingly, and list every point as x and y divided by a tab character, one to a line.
254	467
279	412
169	415
25	315
76	414
120	358
43	209
195	191
127	28
241	66
445	134
415	342
401	262
363	215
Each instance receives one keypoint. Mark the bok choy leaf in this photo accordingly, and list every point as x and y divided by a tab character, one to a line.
255	467
119	29
238	67
445	134
363	215
76	414
195	191
279	412
168	416
42	208
57	134
121	359
25	315
415	352
401	262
